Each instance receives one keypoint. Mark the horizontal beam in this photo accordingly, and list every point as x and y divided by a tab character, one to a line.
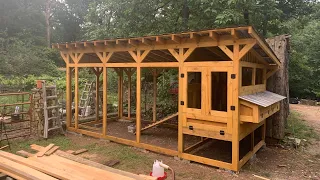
188	43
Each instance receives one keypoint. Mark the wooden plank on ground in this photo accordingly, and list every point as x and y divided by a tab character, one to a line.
80	151
36	147
86	171
96	165
43	151
64	166
40	167
24	153
260	177
52	150
4	147
19	171
111	163
70	151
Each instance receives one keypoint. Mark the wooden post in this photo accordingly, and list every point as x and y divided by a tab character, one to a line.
138	106
181	57
104	110
180	107
120	94
138	57
129	92
154	107
235	114
76	98
97	93
68	95
254	76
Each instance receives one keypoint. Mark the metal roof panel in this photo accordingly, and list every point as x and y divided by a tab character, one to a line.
264	99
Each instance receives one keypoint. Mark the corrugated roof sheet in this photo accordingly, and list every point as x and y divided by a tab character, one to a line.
264	99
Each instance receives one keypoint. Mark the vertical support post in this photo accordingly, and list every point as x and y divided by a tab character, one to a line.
265	76
235	114
180	116
120	94
181	57
76	98
104	110
254	76
138	106
129	92
138	57
154	107
68	95
97	94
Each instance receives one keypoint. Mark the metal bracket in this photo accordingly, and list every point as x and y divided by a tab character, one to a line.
233	76
232	108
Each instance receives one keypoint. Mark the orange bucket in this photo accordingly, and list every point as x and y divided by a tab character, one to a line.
39	84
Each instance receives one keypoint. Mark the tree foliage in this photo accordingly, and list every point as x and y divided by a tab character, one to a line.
23	28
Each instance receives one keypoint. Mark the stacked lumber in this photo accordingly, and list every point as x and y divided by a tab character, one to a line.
51	163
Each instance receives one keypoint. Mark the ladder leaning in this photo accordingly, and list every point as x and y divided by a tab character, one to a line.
86	99
52	119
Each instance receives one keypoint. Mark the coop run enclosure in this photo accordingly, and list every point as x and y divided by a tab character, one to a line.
222	102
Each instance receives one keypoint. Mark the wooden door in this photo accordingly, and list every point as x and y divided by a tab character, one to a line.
207	97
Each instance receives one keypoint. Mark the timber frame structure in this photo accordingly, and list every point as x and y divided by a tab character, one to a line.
211	59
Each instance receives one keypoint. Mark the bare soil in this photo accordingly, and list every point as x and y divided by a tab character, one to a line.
272	162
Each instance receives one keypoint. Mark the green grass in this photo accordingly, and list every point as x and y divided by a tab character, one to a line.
61	141
128	156
298	128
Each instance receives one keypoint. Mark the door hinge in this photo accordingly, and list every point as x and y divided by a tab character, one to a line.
233	76
233	108
181	102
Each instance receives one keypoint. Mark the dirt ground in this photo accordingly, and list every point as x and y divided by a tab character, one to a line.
272	162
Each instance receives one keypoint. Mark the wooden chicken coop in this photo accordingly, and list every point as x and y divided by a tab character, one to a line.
222	95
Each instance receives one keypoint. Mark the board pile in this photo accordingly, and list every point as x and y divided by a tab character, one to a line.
51	163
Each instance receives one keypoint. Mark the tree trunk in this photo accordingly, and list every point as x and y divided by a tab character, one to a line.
48	26
185	15
279	83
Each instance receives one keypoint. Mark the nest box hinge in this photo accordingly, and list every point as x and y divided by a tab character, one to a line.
232	108
233	76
